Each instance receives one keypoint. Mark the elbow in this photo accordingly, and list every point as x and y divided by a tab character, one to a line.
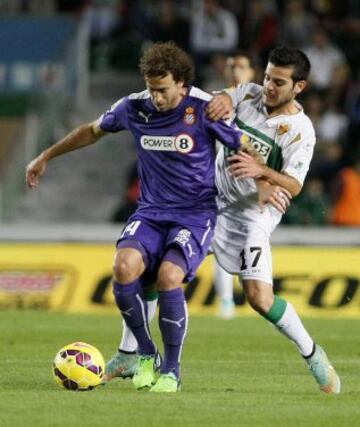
295	190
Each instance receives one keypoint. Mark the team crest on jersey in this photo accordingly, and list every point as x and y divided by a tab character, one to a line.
189	116
283	128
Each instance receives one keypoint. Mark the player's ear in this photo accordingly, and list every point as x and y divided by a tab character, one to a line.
299	86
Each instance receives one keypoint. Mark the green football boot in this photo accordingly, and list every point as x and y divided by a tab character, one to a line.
146	372
121	365
323	372
167	383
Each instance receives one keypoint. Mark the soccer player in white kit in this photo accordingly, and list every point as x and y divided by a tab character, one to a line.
284	136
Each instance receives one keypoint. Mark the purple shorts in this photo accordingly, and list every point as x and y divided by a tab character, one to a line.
154	237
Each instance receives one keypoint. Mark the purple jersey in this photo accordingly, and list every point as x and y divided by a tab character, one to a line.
176	150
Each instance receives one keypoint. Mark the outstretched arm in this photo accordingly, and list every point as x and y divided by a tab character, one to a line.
82	136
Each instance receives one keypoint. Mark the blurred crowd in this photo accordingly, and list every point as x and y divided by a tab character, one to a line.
214	32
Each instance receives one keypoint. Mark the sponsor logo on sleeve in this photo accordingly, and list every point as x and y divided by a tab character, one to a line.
299	166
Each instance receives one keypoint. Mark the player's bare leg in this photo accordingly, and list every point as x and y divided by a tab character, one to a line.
284	317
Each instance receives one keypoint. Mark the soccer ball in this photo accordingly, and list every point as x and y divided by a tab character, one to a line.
78	366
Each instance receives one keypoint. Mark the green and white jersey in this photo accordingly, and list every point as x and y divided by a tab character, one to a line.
286	142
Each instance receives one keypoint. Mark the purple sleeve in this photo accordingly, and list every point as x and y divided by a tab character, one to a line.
115	119
228	135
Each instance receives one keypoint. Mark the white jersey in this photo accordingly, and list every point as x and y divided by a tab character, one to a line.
286	143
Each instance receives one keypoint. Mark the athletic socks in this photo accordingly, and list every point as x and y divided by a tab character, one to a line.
128	342
284	317
224	283
173	319
129	299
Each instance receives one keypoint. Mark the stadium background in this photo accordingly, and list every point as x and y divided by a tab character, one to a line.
65	62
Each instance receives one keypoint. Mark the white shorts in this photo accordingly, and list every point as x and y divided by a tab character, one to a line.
243	249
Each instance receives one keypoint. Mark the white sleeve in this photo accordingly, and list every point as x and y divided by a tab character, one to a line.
237	94
298	152
242	92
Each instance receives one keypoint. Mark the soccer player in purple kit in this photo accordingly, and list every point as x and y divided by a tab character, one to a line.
168	236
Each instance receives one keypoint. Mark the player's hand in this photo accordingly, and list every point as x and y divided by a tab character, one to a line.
243	165
277	196
34	170
220	107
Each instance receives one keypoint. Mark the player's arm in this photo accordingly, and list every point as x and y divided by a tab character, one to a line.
243	165
277	196
220	107
80	137
223	104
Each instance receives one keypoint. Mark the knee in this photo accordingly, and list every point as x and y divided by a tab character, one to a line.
126	268
259	299
169	277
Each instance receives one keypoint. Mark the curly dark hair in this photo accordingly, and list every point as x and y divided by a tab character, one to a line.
163	58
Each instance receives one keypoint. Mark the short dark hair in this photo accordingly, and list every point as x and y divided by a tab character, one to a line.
163	58
283	56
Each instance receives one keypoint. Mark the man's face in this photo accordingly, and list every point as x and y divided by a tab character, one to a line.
242	72
279	87
166	94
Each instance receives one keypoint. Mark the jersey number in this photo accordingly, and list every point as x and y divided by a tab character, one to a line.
131	228
257	251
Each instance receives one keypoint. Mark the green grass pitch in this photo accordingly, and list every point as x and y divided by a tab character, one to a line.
235	373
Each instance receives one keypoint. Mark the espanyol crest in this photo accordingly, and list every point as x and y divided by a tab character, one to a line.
189	116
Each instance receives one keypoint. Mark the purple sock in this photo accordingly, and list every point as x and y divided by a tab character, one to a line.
173	321
129	298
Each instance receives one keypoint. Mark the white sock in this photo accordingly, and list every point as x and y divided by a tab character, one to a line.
224	283
291	326
128	342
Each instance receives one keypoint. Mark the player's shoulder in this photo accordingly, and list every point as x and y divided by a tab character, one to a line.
251	88
133	98
302	121
144	95
245	93
199	95
295	128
